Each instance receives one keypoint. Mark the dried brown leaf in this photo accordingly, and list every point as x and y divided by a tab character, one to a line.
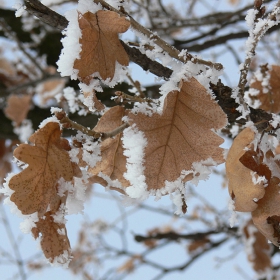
241	187
259	252
267	215
49	89
54	241
198	244
270	101
35	186
182	135
17	107
113	163
101	47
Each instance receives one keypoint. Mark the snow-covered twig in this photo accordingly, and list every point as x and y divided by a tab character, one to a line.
258	29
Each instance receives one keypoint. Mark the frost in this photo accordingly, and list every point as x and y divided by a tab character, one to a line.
256	179
111	183
59	216
74	155
275	121
70	95
51	119
233	217
77	196
29	223
24	131
62	261
20	9
91	149
134	143
176	198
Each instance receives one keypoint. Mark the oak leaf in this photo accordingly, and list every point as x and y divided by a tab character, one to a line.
270	101
36	186
113	163
240	186
17	107
267	215
259	251
54	241
181	135
101	47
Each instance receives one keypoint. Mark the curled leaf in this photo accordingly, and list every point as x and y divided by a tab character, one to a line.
101	47
36	186
113	163
257	248
240	183
267	215
54	241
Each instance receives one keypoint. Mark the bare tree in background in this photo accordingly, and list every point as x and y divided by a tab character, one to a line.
218	75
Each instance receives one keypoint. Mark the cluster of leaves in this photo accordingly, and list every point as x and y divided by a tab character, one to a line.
154	148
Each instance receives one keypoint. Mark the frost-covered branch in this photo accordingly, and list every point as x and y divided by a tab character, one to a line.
258	28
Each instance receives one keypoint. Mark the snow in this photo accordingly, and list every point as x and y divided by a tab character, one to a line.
29	223
233	217
77	195
70	95
91	149
20	9
24	131
63	260
176	198
134	143
51	119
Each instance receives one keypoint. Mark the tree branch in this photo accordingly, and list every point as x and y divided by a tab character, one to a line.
45	14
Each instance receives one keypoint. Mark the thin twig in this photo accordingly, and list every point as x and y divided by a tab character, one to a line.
137	85
69	124
254	38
